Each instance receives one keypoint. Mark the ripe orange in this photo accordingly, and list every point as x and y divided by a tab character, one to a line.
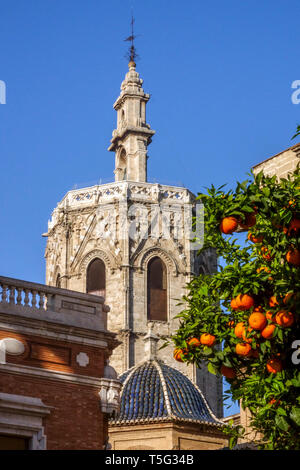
257	320
239	328
228	225
270	315
274	365
194	342
228	372
284	318
268	331
243	349
244	334
293	257
244	301
233	304
255	239
178	354
207	339
230	324
273	302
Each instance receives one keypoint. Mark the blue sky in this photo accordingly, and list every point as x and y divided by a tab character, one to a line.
219	74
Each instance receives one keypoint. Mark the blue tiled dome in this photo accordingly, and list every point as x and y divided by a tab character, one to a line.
153	391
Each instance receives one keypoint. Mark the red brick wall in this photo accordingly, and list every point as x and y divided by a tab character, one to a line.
76	421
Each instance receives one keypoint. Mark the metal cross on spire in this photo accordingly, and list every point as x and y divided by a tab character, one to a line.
131	55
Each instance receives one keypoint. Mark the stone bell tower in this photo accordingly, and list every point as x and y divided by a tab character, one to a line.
129	241
133	135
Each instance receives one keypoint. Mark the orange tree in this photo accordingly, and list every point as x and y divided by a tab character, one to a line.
244	319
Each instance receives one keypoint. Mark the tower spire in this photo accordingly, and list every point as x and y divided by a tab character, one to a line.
131	55
133	135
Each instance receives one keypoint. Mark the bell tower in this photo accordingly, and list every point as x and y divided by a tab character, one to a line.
133	135
129	241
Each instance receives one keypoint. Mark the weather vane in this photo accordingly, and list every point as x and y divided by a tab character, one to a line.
131	54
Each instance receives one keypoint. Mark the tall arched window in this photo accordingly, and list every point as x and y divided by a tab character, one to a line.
122	165
157	290
95	277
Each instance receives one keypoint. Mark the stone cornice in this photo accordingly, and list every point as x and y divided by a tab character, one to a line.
57	376
58	332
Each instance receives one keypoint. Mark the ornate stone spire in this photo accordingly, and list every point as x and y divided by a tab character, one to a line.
133	135
151	341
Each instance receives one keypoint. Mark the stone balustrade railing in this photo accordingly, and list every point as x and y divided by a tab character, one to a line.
46	303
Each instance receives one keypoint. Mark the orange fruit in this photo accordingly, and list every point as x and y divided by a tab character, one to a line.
274	365
233	304
194	342
270	315
293	257
243	349
228	372
244	301
255	239
230	324
228	225
178	354
284	318
207	339
244	334
239	329
257	320
268	331
273	302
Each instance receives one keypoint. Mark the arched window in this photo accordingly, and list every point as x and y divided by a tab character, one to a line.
122	165
95	277
157	290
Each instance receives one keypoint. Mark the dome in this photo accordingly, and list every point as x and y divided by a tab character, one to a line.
153	391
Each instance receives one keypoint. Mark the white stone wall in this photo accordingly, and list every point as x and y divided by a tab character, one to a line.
281	164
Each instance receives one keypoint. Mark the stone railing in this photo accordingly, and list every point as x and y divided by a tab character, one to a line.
52	304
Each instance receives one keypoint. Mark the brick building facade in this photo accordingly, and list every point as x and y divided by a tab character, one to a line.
54	375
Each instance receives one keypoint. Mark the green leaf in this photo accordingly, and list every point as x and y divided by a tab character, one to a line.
295	415
282	423
207	351
211	368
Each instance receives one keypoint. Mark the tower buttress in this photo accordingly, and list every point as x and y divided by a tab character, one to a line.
133	135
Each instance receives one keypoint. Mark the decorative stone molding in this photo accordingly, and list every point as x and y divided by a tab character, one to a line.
23	416
143	259
106	257
82	359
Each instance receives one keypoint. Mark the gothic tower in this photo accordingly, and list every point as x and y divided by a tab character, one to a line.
129	241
